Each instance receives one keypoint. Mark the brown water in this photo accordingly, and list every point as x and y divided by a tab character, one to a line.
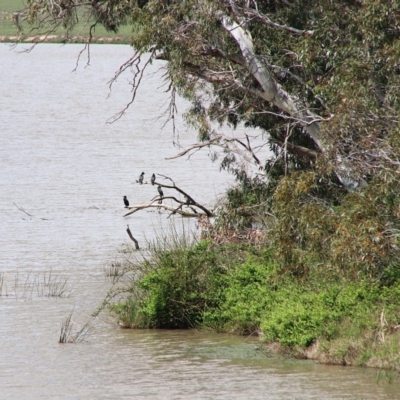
68	169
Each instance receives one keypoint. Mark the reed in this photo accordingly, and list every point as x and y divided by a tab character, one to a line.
30	285
114	271
2	284
49	284
71	332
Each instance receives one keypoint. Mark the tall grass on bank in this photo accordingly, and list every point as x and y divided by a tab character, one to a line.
134	268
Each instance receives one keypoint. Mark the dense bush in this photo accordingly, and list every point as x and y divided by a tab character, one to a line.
237	288
176	288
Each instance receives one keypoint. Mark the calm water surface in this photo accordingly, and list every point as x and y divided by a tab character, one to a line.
62	164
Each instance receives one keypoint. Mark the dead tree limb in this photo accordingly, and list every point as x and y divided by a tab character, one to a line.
226	143
295	149
158	202
138	207
190	199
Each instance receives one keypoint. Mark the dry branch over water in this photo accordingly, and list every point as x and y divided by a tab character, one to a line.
158	202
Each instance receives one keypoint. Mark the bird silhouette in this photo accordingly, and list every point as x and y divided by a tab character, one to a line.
141	177
161	193
187	200
126	202
153	179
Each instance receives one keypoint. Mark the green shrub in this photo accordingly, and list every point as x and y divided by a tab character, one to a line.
247	296
241	289
175	288
302	314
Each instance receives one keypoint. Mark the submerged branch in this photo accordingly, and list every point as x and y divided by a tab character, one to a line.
132	238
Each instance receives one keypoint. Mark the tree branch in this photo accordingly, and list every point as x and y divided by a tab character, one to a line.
265	20
138	207
271	90
192	147
191	201
295	149
157	202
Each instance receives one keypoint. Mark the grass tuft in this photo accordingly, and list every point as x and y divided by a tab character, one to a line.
71	332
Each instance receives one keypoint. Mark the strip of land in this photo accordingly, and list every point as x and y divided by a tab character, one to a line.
63	39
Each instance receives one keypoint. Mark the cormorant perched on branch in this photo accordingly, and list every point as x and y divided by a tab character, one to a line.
141	177
153	179
187	200
161	193
126	202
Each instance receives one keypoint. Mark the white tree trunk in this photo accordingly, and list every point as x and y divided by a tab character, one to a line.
290	104
272	91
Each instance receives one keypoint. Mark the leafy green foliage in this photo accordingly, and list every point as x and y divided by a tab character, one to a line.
237	288
304	314
177	287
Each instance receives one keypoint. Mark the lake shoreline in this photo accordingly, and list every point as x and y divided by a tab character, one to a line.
240	289
63	40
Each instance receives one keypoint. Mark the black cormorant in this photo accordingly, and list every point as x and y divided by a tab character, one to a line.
126	202
153	179
141	177
160	193
187	200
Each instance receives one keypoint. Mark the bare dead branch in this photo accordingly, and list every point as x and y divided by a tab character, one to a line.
227	144
158	202
137	78
138	207
192	147
191	200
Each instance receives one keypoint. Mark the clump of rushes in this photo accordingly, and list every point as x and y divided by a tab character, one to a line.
172	286
71	332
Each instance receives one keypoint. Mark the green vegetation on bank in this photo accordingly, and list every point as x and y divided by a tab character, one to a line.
240	288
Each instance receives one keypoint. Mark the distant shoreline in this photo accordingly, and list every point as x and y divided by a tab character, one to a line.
62	39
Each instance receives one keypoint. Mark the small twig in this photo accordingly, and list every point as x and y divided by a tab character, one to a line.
21	209
193	146
176	209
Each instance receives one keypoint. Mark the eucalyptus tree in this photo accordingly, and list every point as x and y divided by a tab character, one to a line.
316	76
319	78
